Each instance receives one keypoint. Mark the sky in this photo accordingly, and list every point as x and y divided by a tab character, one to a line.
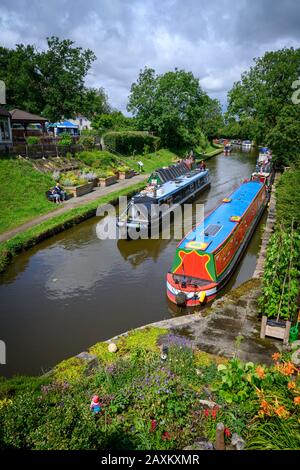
215	39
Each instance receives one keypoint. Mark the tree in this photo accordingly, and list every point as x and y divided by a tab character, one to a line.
92	102
50	82
62	68
115	121
173	105
258	99
284	137
18	69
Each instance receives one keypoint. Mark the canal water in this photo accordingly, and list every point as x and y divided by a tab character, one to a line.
73	290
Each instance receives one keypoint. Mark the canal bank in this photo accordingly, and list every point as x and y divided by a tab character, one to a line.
74	290
72	213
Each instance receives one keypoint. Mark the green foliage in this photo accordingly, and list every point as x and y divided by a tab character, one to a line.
236	381
276	434
98	159
56	78
174	106
93	101
145	338
65	139
148	403
288	199
284	137
281	274
114	121
87	140
70	178
127	142
261	101
32	140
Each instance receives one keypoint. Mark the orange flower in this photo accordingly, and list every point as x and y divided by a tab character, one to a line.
291	385
260	372
264	409
281	412
276	356
288	368
297	400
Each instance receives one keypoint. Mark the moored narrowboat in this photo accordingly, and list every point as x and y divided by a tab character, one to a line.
167	188
206	258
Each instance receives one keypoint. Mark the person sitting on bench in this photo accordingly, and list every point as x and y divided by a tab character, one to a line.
53	196
62	194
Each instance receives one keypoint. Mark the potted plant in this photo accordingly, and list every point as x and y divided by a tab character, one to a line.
75	184
277	304
107	178
124	172
90	176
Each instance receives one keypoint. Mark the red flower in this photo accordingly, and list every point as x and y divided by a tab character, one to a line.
214	413
153	425
227	432
206	413
166	436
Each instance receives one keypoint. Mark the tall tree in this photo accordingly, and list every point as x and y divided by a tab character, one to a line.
173	105
62	68
93	102
259	97
19	71
50	82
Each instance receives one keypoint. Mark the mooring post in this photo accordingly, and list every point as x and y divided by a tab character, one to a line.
220	441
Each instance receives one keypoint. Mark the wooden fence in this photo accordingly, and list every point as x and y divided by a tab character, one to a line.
47	150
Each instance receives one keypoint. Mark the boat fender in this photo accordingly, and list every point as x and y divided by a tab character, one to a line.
180	298
201	296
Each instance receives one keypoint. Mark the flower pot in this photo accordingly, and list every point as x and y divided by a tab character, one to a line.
95	182
275	329
103	182
124	175
78	191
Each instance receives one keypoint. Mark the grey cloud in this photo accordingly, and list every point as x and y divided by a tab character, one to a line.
215	39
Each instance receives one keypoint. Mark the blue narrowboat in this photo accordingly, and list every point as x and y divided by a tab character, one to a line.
206	258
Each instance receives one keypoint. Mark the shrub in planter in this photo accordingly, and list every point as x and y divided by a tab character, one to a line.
107	178
124	172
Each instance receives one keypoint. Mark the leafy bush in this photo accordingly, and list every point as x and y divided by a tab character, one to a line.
66	139
71	179
281	274
288	199
98	159
32	140
87	140
127	142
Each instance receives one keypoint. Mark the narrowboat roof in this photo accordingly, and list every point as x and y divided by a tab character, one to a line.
171	187
217	226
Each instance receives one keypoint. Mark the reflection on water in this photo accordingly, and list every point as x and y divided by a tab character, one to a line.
73	290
